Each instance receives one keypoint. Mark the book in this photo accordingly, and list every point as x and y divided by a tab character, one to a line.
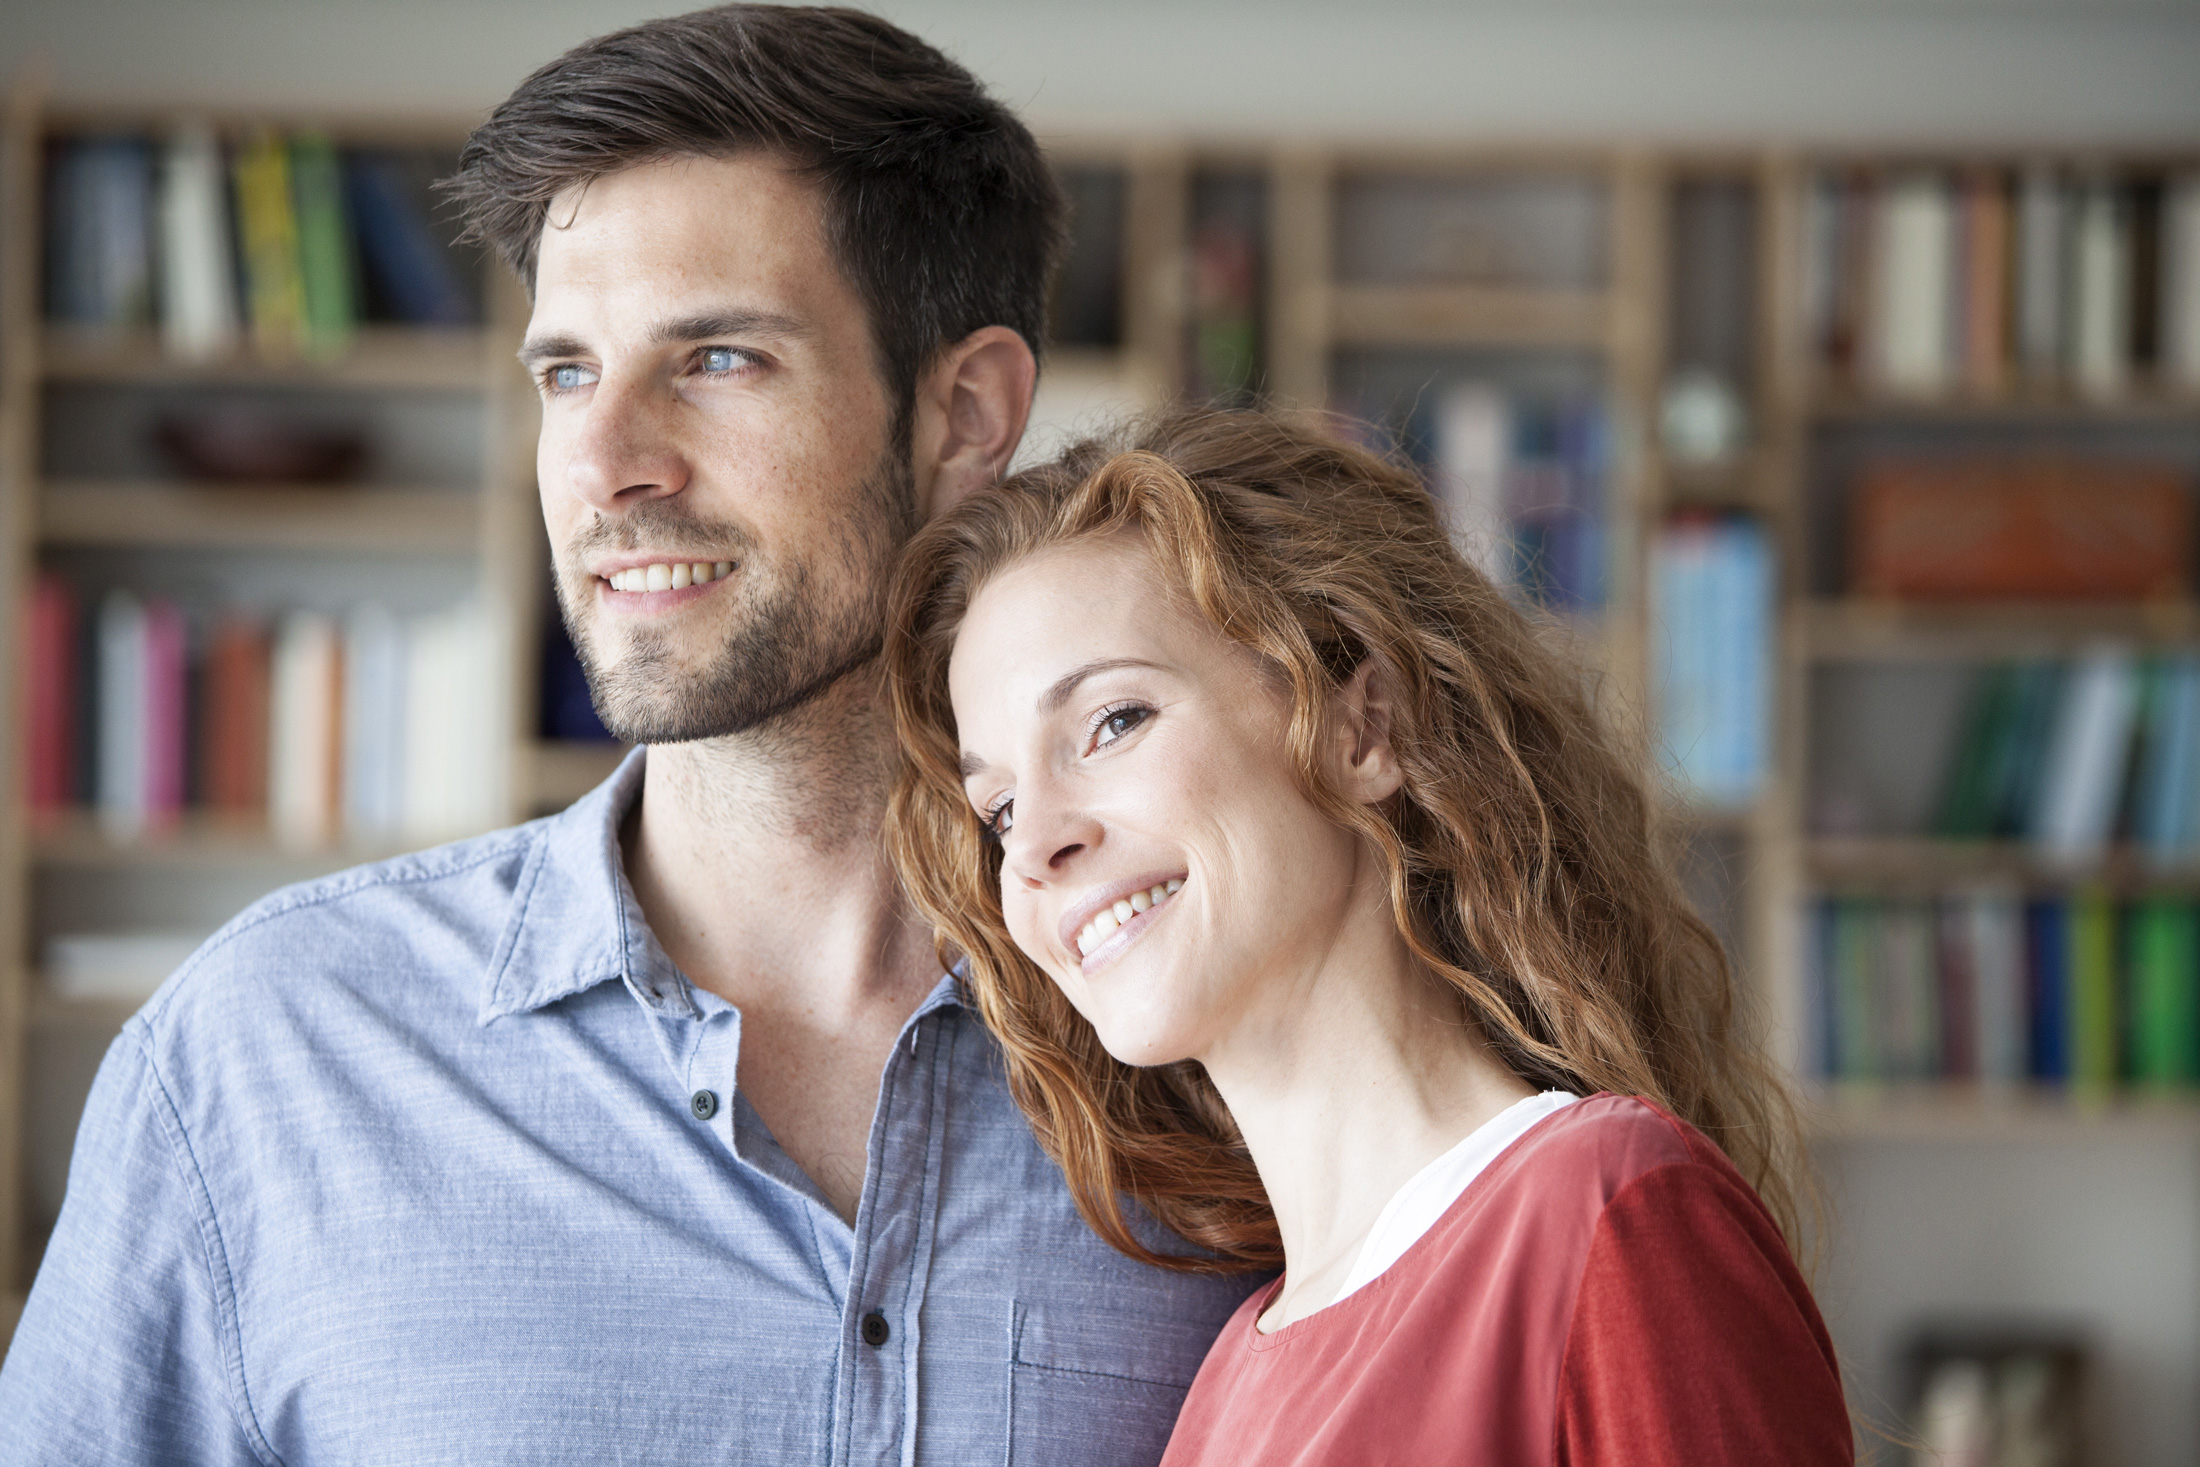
1909	1046
2047	993
121	770
2092	977
305	774
325	269
1914	296
100	240
267	223
166	709
1711	656
1855	998
2036	527
198	296
453	772
374	722
2086	757
407	272
2100	291
1957	960
2042	267
1985	298
234	718
2180	296
2165	992
1993	939
2165	817
49	695
1473	455
1966	810
2022	758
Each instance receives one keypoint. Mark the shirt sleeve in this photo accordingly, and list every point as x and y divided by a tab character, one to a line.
1694	1341
124	1350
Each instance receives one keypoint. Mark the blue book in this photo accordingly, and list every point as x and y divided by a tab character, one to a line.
410	275
2163	800
100	240
2047	985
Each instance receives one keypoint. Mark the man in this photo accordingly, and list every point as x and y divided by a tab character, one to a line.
651	1132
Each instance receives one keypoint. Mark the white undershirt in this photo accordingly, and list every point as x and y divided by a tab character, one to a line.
1414	1208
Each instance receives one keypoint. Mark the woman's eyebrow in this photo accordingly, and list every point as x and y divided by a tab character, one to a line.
1055	696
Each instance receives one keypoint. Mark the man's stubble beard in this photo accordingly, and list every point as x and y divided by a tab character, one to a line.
787	647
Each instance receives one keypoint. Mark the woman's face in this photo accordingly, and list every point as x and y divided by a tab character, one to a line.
1159	859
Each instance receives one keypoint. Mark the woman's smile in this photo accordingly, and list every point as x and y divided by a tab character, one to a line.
1117	918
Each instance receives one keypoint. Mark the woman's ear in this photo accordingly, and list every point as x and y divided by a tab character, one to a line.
1366	764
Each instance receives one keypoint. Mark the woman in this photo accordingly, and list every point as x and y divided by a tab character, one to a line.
1318	915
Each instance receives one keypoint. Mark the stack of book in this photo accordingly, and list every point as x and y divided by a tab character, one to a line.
2075	757
1712	578
1988	985
370	726
1522	481
287	240
1927	281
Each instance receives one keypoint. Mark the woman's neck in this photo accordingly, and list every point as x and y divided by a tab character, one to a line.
1359	1074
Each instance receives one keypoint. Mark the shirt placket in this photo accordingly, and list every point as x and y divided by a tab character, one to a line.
877	1390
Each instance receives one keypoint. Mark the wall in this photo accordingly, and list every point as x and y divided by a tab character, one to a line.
1807	69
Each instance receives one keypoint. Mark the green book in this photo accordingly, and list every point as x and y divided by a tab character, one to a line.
1967	795
2020	754
267	233
2093	1023
324	243
2165	993
1856	999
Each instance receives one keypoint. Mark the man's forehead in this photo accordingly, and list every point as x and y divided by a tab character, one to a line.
683	218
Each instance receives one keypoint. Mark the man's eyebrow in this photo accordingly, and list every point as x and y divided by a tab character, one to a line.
1054	697
699	327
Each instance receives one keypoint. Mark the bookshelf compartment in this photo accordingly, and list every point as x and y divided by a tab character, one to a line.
1226	337
1532	229
421	358
311	517
1087	310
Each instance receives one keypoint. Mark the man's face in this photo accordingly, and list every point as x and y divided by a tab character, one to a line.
718	477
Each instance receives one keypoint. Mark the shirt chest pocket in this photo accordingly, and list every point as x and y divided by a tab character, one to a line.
1095	1387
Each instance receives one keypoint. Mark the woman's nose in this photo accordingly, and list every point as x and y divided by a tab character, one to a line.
1046	836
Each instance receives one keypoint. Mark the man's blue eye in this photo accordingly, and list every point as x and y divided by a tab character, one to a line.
721	359
565	379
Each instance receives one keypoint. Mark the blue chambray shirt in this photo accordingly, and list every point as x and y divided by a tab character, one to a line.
404	1167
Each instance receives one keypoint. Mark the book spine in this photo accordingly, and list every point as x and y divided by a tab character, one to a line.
1996	922
1474	434
198	281
2101	289
2047	966
374	712
268	228
1958	975
2092	1047
2042	268
122	716
1986	294
233	744
2087	758
1913	310
1910	1046
2165	993
50	697
2180	329
326	270
305	731
166	706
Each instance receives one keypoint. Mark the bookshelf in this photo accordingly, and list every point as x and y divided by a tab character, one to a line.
1570	292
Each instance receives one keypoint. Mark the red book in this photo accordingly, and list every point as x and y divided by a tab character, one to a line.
233	719
50	696
166	700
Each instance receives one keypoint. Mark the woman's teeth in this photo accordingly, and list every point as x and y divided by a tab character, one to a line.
1102	927
673	577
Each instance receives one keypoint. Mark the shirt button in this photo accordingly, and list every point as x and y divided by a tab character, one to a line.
704	1104
875	1330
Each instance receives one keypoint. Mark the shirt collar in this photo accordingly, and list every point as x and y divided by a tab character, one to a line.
575	923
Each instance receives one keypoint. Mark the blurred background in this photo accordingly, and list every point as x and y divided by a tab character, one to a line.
1825	372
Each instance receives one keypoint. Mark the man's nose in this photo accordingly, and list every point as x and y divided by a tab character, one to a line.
626	449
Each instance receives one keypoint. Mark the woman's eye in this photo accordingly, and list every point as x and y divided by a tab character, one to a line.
1117	722
998	820
568	377
718	360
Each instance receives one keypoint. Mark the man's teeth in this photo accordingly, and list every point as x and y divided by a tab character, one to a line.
1102	927
672	576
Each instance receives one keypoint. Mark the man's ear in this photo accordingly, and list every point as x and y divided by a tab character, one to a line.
971	408
1366	765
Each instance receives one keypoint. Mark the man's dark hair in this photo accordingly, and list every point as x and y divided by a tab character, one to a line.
939	208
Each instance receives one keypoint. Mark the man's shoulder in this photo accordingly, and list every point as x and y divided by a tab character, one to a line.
407	918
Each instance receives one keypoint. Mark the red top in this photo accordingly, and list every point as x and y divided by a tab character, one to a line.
1608	1290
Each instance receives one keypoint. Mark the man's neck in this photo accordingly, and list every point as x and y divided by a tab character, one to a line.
757	860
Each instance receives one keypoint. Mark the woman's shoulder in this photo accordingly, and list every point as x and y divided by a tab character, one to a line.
1597	1147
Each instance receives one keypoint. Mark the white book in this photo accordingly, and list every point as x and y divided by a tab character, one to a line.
198	315
374	723
1473	459
122	782
453	767
303	738
2042	267
2100	302
2181	283
2087	752
1993	935
1913	306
